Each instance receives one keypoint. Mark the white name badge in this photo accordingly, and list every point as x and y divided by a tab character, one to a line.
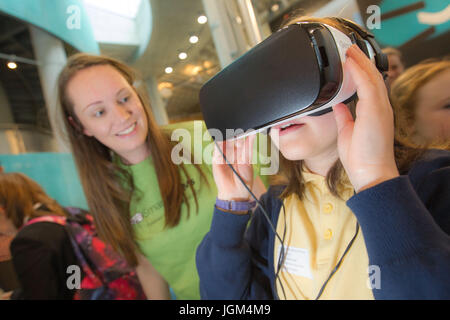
296	261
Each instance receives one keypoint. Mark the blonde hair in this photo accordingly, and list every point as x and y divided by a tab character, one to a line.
389	51
403	97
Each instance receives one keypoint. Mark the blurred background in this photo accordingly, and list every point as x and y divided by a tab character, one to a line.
176	45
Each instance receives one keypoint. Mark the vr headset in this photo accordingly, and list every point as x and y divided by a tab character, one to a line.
297	71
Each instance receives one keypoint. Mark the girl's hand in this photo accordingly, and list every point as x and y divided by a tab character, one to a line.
366	145
239	154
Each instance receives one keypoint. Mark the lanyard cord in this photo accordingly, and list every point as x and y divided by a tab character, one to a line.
281	258
339	263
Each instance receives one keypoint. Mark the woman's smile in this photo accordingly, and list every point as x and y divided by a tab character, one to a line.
131	130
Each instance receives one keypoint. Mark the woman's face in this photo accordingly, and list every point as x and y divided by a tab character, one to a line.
110	111
432	113
308	138
396	67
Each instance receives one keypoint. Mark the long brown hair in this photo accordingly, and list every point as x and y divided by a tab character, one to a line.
19	195
291	171
108	186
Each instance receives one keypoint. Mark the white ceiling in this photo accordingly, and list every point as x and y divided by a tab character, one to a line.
174	21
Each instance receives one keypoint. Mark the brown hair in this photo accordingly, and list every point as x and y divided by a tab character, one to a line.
291	171
18	196
389	51
109	187
403	97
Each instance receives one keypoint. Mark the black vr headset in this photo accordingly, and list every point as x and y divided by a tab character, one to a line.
297	71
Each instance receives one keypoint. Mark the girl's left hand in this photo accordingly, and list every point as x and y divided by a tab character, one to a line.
366	144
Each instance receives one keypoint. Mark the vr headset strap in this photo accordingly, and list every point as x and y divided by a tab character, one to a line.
380	58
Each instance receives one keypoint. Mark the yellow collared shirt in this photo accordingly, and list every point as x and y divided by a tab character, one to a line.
318	230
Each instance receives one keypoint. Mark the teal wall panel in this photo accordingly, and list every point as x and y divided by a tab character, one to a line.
66	19
55	172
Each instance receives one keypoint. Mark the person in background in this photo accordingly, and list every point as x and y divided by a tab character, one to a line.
421	101
8	277
396	66
50	240
41	252
150	209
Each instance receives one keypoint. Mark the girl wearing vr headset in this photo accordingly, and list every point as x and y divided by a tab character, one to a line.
355	218
143	204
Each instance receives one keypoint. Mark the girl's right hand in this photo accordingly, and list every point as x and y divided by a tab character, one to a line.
239	154
366	144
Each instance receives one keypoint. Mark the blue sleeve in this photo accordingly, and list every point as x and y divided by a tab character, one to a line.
403	228
232	263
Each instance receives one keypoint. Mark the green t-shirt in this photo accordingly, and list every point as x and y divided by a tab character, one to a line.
172	250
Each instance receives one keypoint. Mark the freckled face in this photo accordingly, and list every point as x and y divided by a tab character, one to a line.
110	111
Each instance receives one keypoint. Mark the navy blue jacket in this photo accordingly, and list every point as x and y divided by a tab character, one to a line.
405	222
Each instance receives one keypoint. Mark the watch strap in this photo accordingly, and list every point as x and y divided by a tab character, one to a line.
235	205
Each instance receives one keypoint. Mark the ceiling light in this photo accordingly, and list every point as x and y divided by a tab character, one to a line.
207	64
168	70
202	19
275	7
182	55
193	39
165	84
192	70
11	65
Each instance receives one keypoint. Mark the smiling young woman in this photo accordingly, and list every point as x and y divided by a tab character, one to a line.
124	162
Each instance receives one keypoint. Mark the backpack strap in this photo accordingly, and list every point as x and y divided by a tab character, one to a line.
55	219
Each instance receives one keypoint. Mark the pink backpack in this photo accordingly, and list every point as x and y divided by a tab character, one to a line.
107	276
